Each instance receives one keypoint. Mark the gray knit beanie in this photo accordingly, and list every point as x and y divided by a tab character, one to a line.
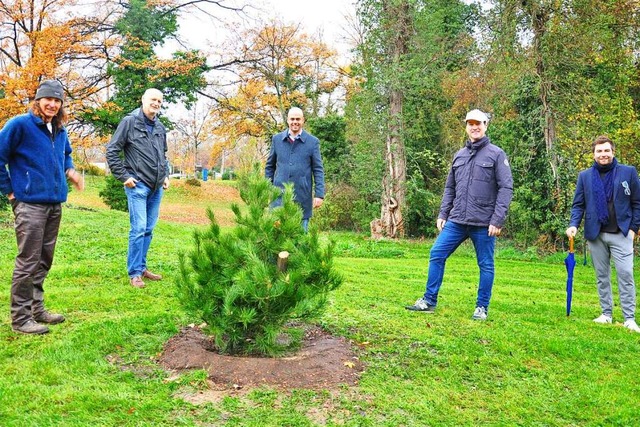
50	89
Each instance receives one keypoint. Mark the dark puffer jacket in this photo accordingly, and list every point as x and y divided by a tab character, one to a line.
479	186
144	153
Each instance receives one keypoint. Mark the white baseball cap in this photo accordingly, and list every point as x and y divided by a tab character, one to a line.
476	115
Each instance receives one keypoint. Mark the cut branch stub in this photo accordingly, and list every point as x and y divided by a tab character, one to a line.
283	257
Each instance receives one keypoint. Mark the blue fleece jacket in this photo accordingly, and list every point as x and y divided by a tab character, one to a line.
37	160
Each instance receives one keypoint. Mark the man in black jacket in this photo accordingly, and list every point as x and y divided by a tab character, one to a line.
144	172
474	205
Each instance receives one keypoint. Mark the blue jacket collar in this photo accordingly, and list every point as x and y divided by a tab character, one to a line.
37	119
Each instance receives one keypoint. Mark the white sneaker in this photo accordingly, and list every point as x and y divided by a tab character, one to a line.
480	314
603	319
631	325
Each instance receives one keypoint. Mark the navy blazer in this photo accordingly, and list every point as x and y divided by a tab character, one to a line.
626	202
300	163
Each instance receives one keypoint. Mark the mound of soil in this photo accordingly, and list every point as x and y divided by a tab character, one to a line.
324	362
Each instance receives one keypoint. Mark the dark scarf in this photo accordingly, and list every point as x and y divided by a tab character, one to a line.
149	123
603	188
473	147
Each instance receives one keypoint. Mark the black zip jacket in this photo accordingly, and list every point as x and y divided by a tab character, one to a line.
145	156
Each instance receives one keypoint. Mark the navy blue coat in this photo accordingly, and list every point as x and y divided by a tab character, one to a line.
479	187
626	202
298	163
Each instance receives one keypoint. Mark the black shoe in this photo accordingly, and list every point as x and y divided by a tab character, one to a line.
31	327
50	318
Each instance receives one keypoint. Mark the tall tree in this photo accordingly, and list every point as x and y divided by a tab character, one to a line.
195	129
399	26
274	67
143	27
580	89
37	41
408	48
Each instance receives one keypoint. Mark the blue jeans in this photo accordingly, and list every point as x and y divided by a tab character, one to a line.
144	208
450	238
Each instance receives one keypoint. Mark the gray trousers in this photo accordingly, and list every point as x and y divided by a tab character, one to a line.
620	248
36	227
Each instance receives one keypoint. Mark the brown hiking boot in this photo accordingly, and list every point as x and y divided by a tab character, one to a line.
31	327
137	282
50	318
151	276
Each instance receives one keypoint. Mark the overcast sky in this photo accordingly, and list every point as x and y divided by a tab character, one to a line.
326	15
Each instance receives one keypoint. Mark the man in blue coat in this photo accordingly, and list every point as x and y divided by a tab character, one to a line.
295	157
608	197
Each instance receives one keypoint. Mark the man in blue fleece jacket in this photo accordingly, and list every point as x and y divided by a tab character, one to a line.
607	197
36	149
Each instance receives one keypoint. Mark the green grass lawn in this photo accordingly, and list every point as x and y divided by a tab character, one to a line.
527	365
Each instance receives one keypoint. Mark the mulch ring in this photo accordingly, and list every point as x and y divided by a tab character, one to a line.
324	362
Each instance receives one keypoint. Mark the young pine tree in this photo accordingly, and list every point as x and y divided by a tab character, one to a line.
233	282
113	194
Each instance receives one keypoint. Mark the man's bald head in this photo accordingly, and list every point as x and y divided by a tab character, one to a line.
151	102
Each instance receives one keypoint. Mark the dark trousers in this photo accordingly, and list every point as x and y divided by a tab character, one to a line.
36	228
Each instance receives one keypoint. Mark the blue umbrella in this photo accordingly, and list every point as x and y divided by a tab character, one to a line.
570	263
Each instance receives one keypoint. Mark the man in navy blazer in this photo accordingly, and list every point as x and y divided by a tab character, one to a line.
608	197
295	157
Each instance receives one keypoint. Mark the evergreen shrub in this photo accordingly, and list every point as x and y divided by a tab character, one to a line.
232	281
113	194
228	175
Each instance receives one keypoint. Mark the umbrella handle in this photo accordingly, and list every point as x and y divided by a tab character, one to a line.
571	244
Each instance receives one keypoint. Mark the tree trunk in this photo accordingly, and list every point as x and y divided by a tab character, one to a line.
540	17
394	179
391	221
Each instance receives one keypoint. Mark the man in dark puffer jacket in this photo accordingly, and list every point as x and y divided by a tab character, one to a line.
475	203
